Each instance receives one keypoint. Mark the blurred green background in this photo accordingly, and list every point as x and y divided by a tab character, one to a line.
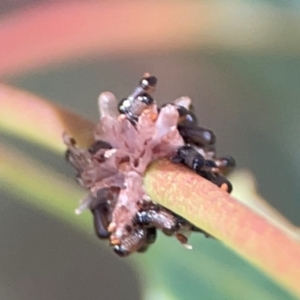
250	100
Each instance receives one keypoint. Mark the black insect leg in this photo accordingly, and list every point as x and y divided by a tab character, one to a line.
215	169
218	180
196	229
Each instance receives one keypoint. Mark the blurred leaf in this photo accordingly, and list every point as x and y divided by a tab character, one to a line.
245	191
62	31
40	187
37	120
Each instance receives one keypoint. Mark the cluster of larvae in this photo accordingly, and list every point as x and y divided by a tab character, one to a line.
129	136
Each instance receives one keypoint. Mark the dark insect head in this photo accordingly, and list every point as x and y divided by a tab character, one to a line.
226	164
187	117
148	82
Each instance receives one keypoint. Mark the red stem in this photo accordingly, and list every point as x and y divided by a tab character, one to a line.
208	207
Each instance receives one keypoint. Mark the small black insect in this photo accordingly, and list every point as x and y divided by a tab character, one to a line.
139	237
133	105
210	169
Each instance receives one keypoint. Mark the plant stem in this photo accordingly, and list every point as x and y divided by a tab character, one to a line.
208	207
